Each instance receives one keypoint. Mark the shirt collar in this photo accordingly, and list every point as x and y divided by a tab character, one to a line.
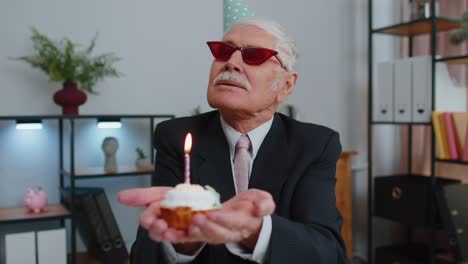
256	136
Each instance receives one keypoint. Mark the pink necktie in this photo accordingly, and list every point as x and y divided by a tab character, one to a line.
241	163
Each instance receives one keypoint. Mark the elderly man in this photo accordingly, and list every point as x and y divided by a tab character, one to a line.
283	210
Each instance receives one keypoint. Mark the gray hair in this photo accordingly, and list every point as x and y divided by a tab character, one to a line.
286	47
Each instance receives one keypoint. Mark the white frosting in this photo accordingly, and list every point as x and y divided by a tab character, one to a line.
192	195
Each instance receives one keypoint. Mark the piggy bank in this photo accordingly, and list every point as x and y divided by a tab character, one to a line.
36	200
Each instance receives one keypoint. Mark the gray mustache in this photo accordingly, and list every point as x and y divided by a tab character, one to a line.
229	76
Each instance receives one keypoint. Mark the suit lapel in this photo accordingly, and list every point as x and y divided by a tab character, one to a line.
269	167
211	163
211	160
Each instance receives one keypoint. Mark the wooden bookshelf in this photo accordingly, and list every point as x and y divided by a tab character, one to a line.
454	60
449	258
96	172
458	61
21	214
344	204
452	169
419	27
460	162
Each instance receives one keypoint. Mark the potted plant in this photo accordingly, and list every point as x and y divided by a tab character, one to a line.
141	162
75	69
462	34
196	111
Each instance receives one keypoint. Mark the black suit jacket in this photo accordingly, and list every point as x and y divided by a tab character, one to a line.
296	164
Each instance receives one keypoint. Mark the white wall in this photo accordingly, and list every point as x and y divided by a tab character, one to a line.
325	46
165	60
147	36
165	63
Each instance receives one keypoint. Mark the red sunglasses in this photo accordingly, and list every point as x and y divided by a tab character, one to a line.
253	56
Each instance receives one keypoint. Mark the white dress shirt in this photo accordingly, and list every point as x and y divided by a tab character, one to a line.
258	255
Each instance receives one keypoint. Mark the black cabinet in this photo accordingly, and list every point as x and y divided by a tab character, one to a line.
402	254
407	199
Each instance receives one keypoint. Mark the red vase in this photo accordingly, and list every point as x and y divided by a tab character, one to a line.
70	97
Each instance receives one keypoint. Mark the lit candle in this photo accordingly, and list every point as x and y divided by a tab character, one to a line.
187	148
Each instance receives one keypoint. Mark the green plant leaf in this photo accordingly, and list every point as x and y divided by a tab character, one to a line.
91	45
55	74
141	154
461	35
61	61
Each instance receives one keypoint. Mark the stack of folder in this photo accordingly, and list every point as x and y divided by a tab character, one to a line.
97	224
450	134
451	202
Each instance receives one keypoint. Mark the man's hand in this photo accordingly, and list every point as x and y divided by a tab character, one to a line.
150	218
238	221
142	196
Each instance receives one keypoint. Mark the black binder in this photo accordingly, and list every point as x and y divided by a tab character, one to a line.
119	252
452	201
403	254
97	225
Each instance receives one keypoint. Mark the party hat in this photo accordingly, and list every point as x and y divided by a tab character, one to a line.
233	11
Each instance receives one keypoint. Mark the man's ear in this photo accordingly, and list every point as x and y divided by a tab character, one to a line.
288	87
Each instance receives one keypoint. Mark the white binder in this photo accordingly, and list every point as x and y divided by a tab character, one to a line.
383	94
402	91
422	78
52	246
20	248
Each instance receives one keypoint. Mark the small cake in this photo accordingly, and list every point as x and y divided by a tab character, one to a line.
182	202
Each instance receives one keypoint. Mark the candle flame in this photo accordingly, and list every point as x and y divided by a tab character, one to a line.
188	143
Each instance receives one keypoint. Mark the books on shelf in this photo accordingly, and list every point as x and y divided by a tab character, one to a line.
383	96
97	225
109	220
403	93
421	82
453	151
440	138
451	135
460	122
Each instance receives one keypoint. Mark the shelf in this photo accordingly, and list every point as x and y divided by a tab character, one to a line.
66	130
21	214
401	123
84	258
461	162
419	27
454	60
448	258
65	117
98	172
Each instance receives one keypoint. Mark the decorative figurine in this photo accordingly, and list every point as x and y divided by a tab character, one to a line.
110	146
421	9
36	200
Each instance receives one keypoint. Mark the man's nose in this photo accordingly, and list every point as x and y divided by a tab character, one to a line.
234	61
